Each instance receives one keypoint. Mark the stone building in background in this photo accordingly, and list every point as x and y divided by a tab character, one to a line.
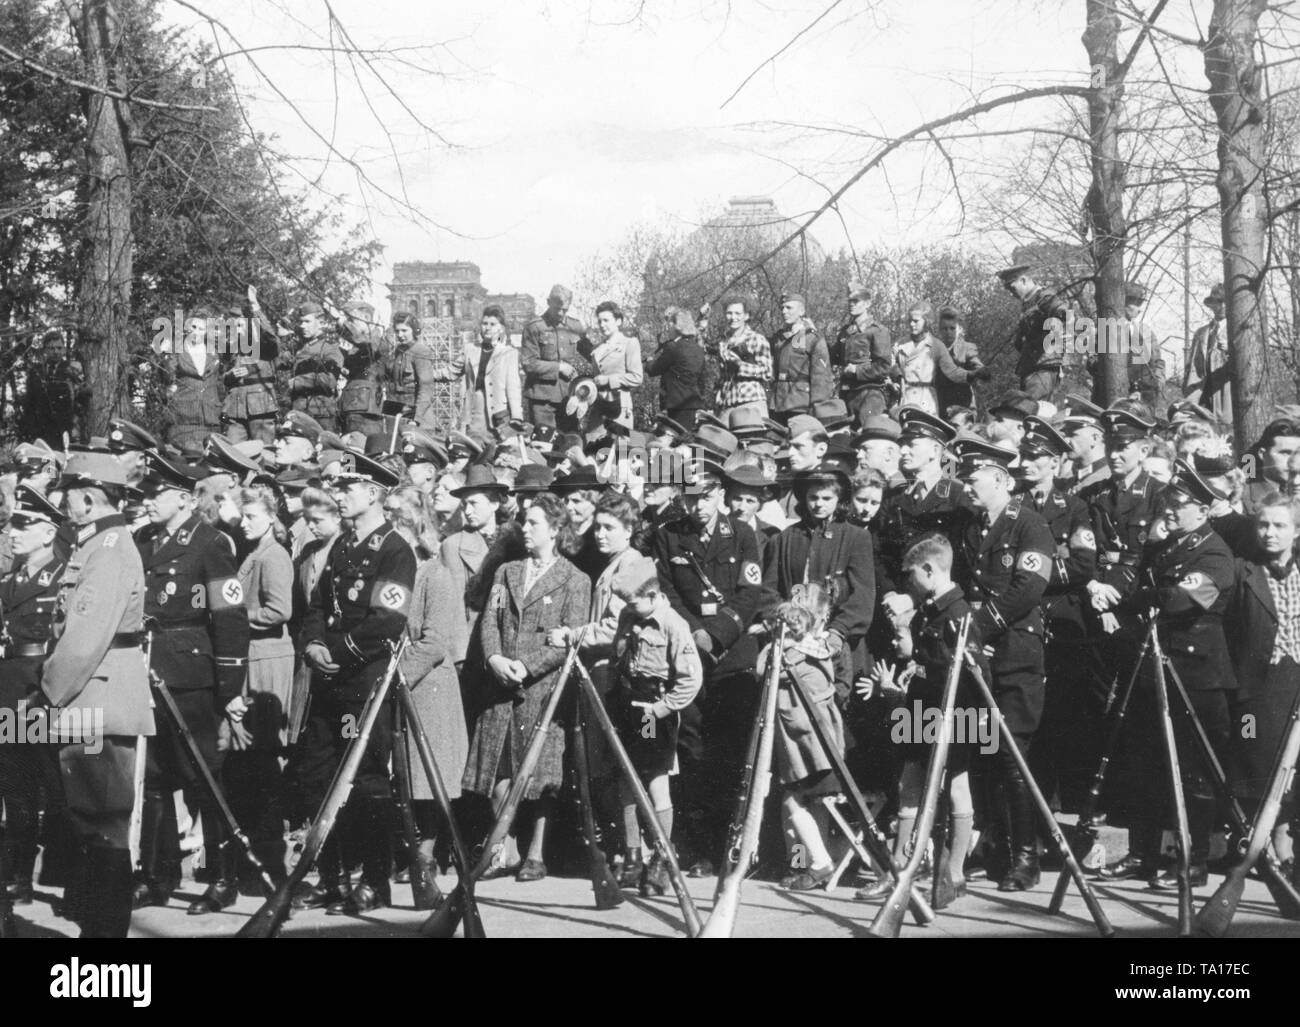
453	292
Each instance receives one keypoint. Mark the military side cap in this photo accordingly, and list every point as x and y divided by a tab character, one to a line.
668	426
974	452
576	480
1010	274
467	443
880	426
833	413
1216	294
125	437
804	424
1134	294
1041	439
309	307
419	447
354	466
302	425
634	572
1186	410
533	478
791	297
918	423
832	469
1015	404
164	475
30	507
38	452
743	422
223	453
858	291
1125	424
561	294
93	468
1186	481
480	478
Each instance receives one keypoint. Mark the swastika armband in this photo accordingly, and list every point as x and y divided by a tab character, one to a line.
1035	563
389	595
225	593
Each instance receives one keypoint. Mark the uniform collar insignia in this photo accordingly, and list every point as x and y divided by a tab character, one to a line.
724	527
183	537
86	531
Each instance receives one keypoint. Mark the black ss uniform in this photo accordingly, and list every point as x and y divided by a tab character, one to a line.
717	586
909	511
358	612
28	603
194	607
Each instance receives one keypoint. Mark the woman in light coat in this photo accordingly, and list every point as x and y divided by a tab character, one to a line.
529	599
439	638
253	767
618	365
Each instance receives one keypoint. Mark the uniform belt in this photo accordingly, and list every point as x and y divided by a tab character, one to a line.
17	649
645	688
127	640
262	634
1118	557
235	382
177	625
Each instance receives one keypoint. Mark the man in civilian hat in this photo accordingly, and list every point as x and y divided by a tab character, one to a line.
680	366
709	566
95	671
28	596
1009	552
1081	425
554	353
1007	417
1206	375
878	446
1065	756
194	610
863	353
1040	349
357	614
1187	581
801	359
745	361
927	500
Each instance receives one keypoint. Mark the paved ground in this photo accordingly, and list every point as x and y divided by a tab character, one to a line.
560	907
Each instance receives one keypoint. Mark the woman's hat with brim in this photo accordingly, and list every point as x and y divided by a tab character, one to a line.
479	478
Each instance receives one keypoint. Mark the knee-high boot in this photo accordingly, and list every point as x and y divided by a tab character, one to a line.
1024	871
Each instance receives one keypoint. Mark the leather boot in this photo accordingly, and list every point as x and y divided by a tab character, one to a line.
332	886
993	855
222	892
375	844
19	852
655	876
630	877
73	905
160	870
1024	873
110	894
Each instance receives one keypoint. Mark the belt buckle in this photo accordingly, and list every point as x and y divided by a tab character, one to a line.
708	609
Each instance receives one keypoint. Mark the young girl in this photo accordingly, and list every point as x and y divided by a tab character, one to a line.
803	767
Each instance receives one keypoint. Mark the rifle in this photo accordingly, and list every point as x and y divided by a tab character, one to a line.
214	793
873	839
722	919
737	826
266	922
606	889
1085	831
424	888
1176	786
889	920
1099	917
689	913
443	920
1216	915
467	907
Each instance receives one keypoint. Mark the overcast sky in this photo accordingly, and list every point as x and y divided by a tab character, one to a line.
565	121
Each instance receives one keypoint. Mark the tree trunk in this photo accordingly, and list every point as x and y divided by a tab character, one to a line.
108	245
1236	94
1106	200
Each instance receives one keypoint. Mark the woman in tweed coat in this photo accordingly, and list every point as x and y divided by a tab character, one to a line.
530	597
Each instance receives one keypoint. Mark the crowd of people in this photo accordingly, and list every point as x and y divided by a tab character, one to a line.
268	560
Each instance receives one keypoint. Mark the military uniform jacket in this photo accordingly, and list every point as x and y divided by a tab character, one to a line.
716	586
1074	562
361	393
27	606
1190	578
546	343
316	367
1122	518
195	606
869	350
910	510
93	665
250	384
1094	474
360	603
1010	564
935	627
802	368
1038	352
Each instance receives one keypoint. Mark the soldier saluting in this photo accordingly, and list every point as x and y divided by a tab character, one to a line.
358	611
194	607
1039	365
94	671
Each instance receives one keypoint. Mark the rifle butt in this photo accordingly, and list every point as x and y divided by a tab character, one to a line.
473	924
444	920
425	892
1215	916
889	921
1058	893
608	894
268	920
1184	907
